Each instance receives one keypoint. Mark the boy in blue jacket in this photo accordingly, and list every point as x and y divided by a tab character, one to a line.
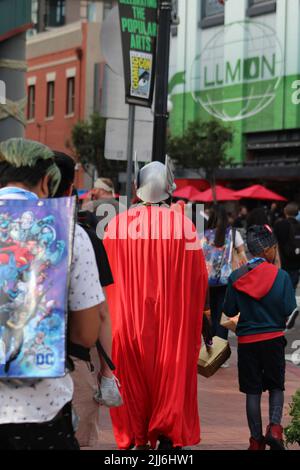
265	298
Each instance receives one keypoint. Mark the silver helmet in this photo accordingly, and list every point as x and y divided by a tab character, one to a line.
155	182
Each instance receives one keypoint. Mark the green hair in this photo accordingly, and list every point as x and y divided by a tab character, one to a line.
20	152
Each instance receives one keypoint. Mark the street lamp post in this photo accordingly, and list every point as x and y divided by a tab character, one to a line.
162	81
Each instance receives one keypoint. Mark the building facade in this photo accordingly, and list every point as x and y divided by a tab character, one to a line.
15	20
65	66
61	81
48	14
239	62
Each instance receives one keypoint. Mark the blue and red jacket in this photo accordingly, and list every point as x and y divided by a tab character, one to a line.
264	297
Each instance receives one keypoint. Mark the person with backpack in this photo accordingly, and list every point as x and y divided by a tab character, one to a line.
220	243
90	390
287	232
265	299
36	414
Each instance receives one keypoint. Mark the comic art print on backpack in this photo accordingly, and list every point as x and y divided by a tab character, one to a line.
218	259
36	240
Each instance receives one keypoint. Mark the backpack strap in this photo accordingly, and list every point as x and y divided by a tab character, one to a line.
69	362
103	353
80	352
234	236
246	268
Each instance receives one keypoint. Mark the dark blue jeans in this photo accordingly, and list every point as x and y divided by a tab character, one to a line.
217	297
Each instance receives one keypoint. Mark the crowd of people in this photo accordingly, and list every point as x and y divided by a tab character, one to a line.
285	221
137	305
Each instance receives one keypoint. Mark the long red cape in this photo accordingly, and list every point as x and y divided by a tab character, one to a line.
156	306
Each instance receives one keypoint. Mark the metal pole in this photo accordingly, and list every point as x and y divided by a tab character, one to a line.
162	81
130	142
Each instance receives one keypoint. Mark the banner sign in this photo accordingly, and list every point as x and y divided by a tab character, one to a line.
36	240
138	21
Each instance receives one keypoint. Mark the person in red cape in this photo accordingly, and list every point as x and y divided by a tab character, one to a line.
156	305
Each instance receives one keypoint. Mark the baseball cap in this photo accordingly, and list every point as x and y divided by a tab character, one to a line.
260	238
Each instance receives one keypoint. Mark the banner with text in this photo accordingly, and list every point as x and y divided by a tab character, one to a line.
138	21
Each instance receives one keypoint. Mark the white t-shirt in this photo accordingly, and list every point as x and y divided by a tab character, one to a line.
40	401
238	239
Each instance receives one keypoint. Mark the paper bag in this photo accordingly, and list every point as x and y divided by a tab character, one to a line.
229	323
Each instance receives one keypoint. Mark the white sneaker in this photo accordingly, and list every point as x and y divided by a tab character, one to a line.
108	393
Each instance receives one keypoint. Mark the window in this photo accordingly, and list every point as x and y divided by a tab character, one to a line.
107	6
254	2
175	21
50	99
273	146
70	96
35	19
56	13
212	13
213	7
261	7
31	103
35	13
91	12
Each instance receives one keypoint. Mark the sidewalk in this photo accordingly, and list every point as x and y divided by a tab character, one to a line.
222	410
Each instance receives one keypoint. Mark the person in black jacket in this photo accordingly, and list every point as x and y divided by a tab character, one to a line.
287	232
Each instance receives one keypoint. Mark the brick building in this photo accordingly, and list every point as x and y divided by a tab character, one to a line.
64	73
65	67
60	81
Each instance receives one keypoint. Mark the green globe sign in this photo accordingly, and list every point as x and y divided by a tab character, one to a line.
238	72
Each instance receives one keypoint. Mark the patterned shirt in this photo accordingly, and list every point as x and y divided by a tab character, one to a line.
39	401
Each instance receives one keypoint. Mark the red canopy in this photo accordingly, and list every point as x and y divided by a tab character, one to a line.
259	192
223	194
188	192
199	184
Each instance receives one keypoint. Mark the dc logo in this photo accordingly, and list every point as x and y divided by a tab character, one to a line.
45	358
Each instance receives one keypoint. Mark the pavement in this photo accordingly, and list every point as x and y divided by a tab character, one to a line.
293	338
222	409
222	406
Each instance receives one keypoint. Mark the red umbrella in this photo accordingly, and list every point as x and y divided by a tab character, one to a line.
223	194
199	184
188	192
259	192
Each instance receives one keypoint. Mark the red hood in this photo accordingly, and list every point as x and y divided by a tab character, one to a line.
258	282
